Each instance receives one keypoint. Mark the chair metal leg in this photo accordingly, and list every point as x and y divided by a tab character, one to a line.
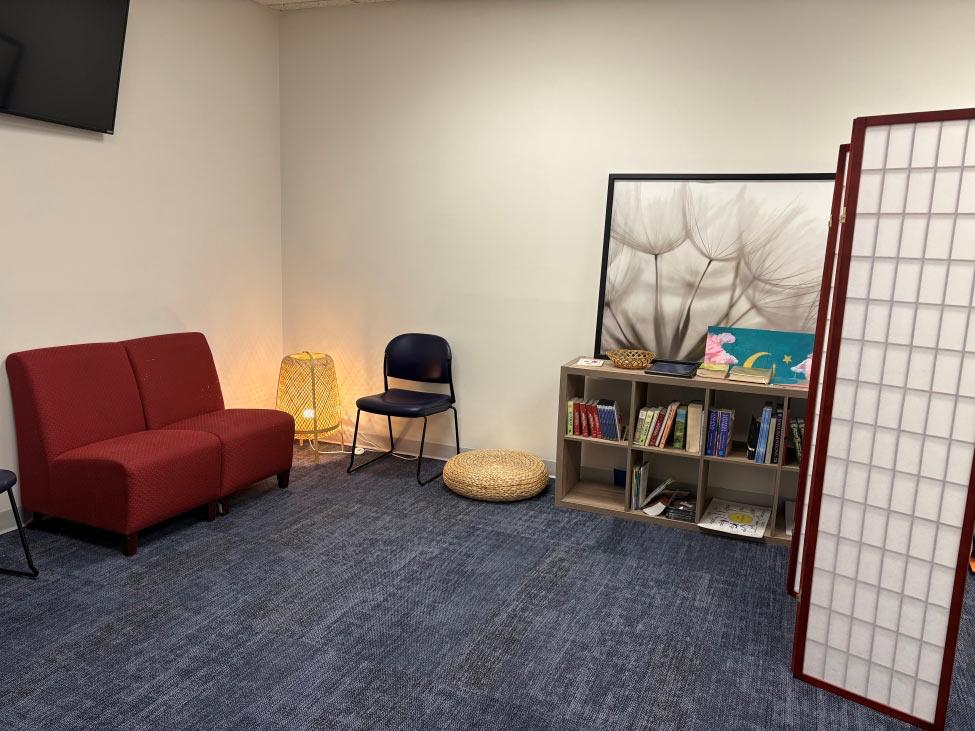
456	430
33	573
419	458
355	436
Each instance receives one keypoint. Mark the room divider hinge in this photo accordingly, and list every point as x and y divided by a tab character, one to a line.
843	214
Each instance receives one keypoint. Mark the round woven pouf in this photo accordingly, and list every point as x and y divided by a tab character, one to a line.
496	475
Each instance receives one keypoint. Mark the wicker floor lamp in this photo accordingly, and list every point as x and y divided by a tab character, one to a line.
308	389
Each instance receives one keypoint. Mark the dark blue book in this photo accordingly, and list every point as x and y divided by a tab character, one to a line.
777	438
607	419
724	433
712	432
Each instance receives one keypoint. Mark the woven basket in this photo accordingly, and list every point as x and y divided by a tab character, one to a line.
496	475
631	359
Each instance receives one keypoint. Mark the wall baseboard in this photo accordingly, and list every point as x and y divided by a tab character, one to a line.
433	450
7	522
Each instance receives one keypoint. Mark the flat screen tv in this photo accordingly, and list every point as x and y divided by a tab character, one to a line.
61	60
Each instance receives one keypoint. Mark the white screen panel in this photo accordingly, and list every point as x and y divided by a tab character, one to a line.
817	396
887	516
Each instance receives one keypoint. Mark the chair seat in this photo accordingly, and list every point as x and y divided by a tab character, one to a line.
257	443
400	402
129	482
7	480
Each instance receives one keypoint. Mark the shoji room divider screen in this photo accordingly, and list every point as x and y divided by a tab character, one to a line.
888	526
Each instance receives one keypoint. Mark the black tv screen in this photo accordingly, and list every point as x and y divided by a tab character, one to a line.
60	60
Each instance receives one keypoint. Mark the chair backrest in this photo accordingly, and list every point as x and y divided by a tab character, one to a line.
66	397
176	376
419	357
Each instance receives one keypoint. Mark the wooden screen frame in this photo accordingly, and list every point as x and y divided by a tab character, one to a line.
860	126
836	217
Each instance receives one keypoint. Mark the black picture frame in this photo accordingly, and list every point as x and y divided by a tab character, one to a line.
675	177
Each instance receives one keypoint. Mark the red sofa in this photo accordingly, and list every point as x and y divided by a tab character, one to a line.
121	436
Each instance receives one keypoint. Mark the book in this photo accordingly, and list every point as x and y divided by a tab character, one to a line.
594	428
668	423
751	442
607	421
763	434
656	502
638	429
682	508
568	416
739	519
790	516
723	442
770	439
797	437
680	427
712	370
751	375
712	432
648	427
777	439
694	415
658	425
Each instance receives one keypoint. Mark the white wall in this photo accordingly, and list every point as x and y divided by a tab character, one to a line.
445	163
171	224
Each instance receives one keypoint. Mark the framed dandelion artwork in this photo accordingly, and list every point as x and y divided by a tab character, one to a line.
684	252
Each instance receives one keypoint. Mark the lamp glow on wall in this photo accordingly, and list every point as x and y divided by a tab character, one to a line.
308	389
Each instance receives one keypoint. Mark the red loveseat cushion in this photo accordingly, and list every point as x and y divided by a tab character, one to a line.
256	443
127	483
66	397
176	376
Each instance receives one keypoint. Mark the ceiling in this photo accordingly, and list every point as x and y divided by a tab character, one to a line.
298	4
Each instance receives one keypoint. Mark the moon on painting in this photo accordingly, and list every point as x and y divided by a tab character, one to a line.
750	361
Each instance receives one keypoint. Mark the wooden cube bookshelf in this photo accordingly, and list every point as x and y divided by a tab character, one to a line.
585	467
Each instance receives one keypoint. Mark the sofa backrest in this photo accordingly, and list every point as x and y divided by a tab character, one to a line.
69	396
176	377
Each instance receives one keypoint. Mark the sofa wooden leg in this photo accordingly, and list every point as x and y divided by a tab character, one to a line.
283	479
36	519
130	544
224	505
211	511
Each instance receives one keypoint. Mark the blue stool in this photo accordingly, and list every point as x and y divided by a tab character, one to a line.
7	481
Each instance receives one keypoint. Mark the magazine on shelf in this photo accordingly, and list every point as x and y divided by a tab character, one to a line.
739	519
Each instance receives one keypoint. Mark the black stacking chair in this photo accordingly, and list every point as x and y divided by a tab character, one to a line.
410	357
7	481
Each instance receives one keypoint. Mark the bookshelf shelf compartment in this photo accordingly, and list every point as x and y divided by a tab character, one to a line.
584	473
667	451
595	440
598	496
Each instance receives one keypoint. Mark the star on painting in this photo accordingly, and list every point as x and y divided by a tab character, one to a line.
786	359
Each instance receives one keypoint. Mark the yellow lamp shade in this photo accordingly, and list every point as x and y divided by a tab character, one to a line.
308	389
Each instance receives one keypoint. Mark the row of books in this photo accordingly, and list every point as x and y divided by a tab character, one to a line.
765	436
596	418
676	425
721	423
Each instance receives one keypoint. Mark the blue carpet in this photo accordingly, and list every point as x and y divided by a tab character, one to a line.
368	602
